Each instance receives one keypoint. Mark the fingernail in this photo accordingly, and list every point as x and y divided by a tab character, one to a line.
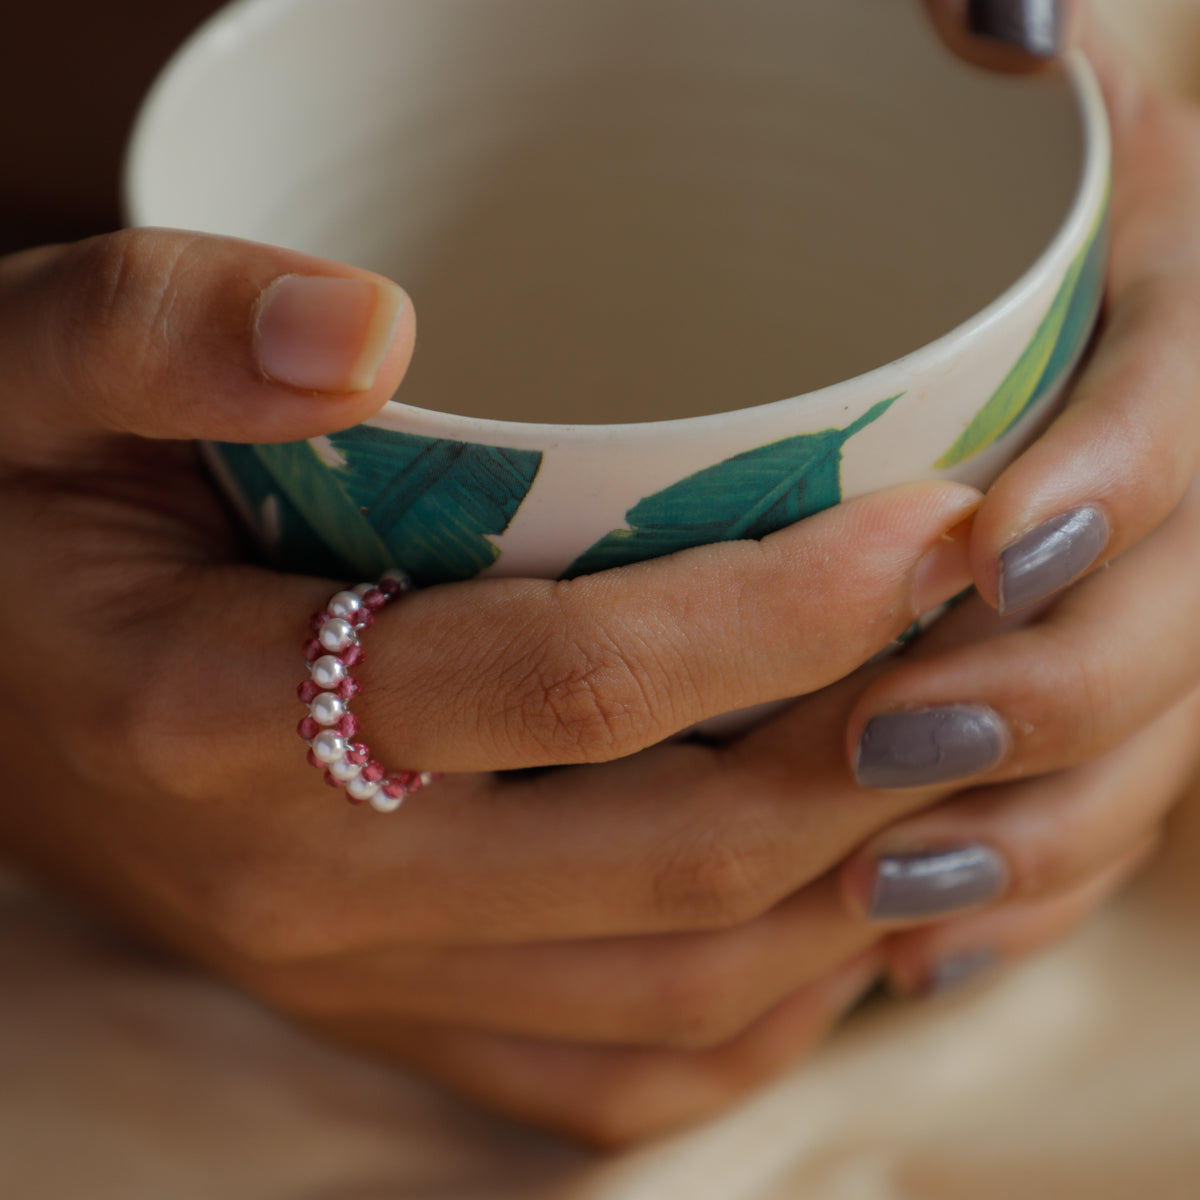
326	335
1051	556
931	745
925	884
1035	26
944	572
959	969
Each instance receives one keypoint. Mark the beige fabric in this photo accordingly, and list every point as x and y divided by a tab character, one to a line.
1076	1076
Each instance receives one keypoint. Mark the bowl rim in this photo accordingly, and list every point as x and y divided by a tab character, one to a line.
225	27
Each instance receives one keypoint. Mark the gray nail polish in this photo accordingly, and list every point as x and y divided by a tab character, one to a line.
930	883
1035	26
958	969
932	745
1049	557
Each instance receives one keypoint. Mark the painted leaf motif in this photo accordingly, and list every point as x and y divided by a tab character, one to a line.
433	502
1044	362
318	494
747	496
290	541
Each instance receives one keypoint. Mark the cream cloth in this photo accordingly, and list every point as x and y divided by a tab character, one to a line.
1072	1077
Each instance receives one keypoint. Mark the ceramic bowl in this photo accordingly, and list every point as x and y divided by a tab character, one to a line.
682	272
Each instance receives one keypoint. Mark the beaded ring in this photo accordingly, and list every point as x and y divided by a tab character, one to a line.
331	654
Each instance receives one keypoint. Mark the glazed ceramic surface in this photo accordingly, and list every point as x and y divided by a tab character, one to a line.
682	272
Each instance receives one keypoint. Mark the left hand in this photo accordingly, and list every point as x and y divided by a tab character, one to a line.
1084	726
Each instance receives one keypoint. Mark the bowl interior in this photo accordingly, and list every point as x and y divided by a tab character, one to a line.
622	211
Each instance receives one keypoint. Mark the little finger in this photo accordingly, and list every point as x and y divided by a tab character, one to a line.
941	956
610	1097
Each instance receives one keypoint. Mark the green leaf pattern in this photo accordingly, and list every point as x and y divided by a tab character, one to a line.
434	501
1055	346
288	538
426	504
746	496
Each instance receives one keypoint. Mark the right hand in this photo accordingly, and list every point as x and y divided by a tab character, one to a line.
604	951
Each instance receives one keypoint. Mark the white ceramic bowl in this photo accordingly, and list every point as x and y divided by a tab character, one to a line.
683	272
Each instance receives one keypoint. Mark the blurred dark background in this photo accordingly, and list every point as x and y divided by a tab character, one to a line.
72	73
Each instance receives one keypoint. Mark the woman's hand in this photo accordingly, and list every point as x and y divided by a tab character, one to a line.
1078	720
601	950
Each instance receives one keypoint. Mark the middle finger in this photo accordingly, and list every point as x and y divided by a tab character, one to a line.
1114	652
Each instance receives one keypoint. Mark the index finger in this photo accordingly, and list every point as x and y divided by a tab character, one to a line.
1118	460
503	674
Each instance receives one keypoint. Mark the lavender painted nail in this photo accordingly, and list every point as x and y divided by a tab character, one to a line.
930	883
1035	26
932	745
1051	556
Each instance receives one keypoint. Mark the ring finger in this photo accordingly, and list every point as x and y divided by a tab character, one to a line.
1027	841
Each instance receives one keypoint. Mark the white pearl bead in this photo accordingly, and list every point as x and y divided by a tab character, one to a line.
327	709
361	589
426	778
327	672
336	635
343	604
362	789
328	746
344	770
402	577
382	802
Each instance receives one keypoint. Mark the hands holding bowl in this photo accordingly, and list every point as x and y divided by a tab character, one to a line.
637	936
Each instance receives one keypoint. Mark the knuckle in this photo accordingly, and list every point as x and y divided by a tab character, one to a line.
694	1003
163	747
723	878
1072	668
257	911
583	697
1038	867
125	289
138	736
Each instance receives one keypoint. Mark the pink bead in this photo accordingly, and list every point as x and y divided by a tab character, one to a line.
354	800
395	786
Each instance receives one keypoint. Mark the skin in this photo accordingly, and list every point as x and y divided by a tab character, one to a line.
635	939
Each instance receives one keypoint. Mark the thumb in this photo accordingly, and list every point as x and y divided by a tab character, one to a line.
179	335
